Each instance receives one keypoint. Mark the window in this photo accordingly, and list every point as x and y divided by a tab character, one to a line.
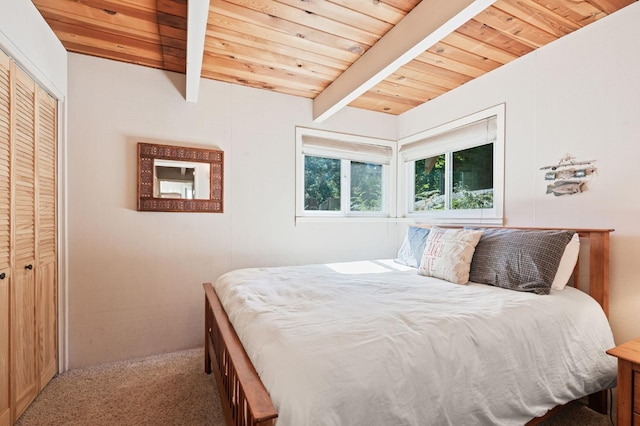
341	175
453	173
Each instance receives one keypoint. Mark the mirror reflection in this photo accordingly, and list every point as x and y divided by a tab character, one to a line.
181	179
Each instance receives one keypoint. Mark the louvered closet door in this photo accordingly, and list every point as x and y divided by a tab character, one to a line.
46	274
5	234
23	294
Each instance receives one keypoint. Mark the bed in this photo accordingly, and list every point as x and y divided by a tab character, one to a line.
374	342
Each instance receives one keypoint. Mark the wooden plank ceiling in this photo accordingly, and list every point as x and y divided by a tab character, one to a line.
299	47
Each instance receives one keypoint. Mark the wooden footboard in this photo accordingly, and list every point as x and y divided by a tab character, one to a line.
244	399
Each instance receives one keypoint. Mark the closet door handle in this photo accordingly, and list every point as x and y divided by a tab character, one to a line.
29	267
2	276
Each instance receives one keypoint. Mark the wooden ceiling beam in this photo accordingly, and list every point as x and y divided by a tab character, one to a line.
197	17
429	22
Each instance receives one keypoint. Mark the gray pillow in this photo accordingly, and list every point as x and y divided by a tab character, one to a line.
410	253
523	260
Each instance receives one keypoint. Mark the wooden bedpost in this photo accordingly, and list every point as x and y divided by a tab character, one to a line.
207	330
599	290
599	268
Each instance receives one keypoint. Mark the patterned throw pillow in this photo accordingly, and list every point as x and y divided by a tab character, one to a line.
523	260
448	253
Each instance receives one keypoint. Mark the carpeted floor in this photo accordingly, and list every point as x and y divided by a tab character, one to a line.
170	390
578	414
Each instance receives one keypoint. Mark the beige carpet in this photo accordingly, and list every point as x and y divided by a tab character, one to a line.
169	389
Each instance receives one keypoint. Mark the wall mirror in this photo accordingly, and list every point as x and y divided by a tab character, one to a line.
179	179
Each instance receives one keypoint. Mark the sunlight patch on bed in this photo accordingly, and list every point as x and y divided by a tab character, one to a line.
367	267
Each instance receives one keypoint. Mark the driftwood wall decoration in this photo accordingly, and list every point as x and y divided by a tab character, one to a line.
568	176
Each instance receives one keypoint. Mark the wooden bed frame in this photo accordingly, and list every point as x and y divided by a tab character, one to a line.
245	400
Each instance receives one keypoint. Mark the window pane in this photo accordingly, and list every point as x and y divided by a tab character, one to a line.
321	183
429	184
473	178
366	187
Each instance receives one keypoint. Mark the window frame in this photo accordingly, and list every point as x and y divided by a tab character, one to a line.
348	142
423	144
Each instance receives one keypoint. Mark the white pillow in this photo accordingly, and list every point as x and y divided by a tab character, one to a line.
567	263
448	253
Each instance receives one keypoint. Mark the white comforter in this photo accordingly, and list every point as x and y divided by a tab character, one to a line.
373	343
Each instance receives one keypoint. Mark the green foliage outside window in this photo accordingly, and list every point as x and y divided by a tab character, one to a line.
366	187
322	185
472	174
430	183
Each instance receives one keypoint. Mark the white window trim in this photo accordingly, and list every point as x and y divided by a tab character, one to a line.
389	174
405	169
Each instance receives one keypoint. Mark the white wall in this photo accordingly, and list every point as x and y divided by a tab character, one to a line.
578	95
135	277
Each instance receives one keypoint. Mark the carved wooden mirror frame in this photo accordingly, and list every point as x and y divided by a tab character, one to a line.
147	153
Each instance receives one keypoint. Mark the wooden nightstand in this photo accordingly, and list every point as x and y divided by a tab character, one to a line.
628	355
